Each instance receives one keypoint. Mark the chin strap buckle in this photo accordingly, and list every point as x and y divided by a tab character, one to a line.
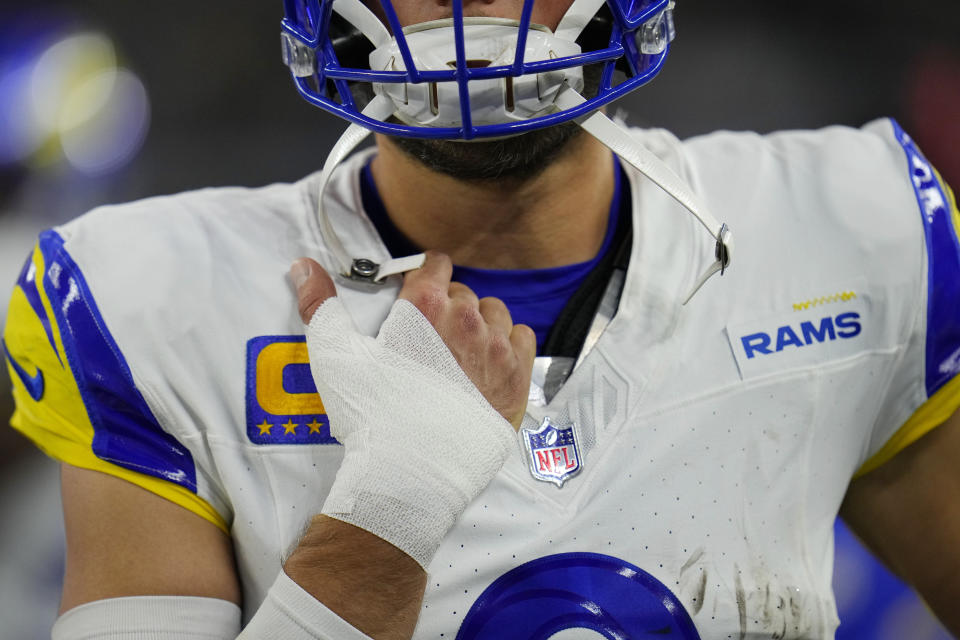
722	249
621	142
366	270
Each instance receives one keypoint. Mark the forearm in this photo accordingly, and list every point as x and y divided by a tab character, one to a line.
405	477
342	576
365	580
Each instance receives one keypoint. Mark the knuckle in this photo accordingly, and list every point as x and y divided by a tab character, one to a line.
429	300
499	347
468	317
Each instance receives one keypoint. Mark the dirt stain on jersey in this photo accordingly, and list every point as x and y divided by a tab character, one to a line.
778	611
693	588
741	601
758	606
693	559
701	593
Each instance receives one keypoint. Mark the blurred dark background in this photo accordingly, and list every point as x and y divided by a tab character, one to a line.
105	101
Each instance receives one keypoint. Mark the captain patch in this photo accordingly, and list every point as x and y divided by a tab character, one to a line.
283	406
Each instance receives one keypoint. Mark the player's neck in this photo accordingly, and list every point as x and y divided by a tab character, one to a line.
557	218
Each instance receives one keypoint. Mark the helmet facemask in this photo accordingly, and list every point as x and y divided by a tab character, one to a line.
466	77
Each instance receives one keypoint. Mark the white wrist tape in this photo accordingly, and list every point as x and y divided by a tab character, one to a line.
154	617
420	440
290	613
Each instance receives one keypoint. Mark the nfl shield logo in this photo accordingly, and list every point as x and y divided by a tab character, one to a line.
553	452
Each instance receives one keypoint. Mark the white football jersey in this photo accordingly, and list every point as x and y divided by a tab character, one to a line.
697	456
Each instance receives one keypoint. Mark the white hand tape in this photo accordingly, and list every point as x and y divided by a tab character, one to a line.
420	440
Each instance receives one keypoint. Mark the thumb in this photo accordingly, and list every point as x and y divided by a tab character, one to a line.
313	285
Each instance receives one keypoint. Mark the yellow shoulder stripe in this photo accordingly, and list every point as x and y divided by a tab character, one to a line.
58	423
931	414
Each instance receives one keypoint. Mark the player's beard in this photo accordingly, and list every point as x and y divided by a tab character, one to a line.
516	159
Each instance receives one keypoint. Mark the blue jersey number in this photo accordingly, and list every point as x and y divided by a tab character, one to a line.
577	591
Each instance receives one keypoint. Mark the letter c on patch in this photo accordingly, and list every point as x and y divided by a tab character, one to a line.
271	394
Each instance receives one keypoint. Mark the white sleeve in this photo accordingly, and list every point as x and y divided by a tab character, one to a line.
287	613
150	618
290	613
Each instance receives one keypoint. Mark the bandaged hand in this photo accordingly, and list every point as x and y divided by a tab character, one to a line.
424	410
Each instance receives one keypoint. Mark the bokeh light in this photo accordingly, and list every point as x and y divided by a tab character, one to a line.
64	98
104	121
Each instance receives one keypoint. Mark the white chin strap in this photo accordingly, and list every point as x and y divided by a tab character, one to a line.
438	103
608	132
358	269
619	140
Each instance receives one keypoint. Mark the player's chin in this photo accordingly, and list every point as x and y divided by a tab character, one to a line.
516	159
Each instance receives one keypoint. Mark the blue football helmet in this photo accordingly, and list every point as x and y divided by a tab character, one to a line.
470	77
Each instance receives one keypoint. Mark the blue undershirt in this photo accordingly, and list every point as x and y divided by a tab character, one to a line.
535	297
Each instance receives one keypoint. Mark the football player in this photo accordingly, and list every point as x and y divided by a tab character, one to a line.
521	385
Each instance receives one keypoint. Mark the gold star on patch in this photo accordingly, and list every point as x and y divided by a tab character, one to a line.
315	426
265	428
290	427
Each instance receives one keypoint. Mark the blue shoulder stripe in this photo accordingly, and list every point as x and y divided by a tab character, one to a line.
943	268
126	433
28	284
